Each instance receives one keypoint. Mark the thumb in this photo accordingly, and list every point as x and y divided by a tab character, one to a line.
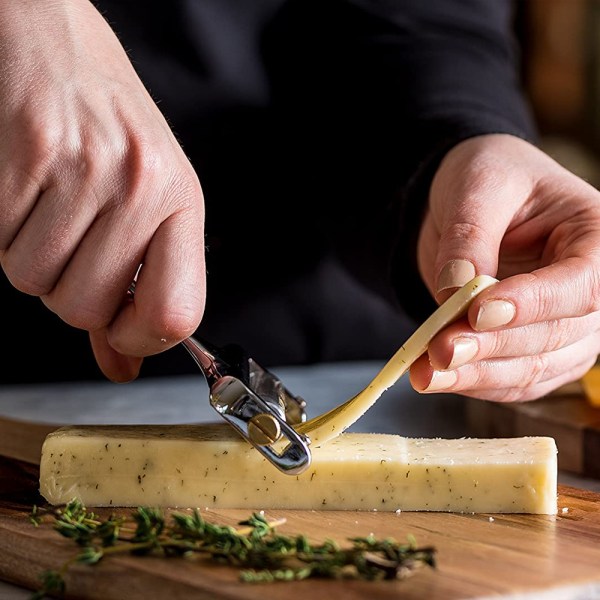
476	195
471	227
455	273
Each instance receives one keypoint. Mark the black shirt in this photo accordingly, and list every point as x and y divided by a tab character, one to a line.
315	127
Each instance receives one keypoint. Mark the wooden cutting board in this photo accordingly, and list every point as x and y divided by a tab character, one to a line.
478	555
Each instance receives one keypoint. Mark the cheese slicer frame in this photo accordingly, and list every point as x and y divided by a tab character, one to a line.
254	402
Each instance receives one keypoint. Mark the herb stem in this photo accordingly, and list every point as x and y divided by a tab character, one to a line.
257	547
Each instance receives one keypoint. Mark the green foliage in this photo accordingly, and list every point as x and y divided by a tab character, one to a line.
257	548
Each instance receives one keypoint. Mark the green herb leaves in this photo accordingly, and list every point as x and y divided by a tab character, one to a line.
256	547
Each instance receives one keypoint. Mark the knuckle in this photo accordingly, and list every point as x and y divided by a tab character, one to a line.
26	279
146	158
537	371
46	143
174	319
542	296
151	162
464	231
592	283
42	150
159	167
86	316
185	185
100	162
558	335
497	344
78	306
174	324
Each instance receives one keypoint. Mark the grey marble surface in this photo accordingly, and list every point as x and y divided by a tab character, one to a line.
185	399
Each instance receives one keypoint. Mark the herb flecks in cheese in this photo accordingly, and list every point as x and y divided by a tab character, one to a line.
211	466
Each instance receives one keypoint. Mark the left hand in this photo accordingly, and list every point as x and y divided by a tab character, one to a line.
502	207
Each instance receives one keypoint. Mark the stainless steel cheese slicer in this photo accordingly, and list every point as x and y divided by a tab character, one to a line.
255	402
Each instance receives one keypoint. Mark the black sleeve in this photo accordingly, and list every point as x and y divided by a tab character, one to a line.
462	79
387	87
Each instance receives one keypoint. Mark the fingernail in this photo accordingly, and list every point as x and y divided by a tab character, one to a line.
441	380
494	313
455	273
464	349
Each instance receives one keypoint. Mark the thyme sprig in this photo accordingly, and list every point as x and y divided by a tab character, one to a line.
257	548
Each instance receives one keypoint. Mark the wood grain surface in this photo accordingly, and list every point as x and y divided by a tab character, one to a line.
478	555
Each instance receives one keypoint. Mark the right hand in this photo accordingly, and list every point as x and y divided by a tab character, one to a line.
94	183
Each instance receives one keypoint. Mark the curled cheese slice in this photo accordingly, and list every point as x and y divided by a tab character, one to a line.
327	426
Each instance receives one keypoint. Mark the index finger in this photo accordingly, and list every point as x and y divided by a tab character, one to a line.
565	289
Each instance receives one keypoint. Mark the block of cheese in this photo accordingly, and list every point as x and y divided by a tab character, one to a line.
212	466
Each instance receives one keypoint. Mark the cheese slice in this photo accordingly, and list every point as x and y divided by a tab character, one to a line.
211	466
327	426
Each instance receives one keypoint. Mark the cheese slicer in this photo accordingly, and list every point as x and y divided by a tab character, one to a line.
255	403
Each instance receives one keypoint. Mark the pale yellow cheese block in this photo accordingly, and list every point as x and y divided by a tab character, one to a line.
211	466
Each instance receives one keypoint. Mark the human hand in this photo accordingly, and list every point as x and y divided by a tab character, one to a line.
93	184
500	206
